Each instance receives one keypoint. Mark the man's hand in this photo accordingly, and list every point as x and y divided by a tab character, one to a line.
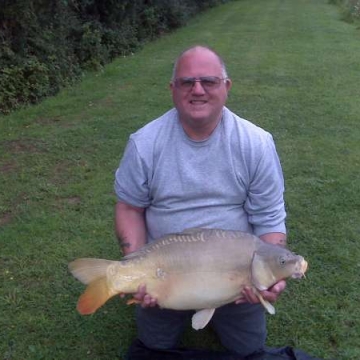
145	299
270	295
142	298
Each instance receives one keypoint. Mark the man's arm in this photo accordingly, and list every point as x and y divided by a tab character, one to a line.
130	227
130	230
276	238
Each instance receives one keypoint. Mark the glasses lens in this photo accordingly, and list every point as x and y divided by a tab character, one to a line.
185	83
207	82
210	82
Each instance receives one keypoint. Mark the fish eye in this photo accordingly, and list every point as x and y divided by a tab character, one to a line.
282	261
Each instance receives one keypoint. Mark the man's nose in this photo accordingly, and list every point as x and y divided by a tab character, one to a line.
198	88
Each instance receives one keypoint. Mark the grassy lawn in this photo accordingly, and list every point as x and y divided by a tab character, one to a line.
296	72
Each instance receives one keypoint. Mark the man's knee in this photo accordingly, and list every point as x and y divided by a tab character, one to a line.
160	328
241	328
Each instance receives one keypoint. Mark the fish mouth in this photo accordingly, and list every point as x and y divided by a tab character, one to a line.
301	273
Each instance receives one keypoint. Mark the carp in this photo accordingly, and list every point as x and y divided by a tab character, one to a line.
197	269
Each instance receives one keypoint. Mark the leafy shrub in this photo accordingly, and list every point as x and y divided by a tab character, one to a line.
353	7
175	13
350	9
46	44
26	83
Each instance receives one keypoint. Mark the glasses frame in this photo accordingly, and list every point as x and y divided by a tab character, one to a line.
216	82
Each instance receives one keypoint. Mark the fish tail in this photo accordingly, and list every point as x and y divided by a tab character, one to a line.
92	272
87	270
95	295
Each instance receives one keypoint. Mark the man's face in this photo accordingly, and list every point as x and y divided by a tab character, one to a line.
199	106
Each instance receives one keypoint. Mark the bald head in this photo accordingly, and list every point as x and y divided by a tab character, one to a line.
199	49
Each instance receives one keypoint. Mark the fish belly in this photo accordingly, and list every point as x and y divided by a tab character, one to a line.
197	290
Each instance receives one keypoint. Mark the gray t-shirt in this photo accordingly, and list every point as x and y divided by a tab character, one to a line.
232	180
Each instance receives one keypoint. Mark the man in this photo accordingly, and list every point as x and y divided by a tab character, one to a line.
200	165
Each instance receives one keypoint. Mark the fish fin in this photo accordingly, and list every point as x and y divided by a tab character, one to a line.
201	318
261	275
95	295
135	254
270	308
191	230
133	301
146	249
87	270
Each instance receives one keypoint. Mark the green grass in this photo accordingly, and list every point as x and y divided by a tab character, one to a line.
295	67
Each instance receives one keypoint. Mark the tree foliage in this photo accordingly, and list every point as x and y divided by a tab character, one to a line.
350	9
46	44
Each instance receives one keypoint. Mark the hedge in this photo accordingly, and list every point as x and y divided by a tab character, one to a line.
350	10
47	44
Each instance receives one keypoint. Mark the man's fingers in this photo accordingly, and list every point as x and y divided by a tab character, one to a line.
273	293
241	300
141	292
278	287
270	295
249	296
141	297
148	301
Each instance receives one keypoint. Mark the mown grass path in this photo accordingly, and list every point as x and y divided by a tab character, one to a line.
296	71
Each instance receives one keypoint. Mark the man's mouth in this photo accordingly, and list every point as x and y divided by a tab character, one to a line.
198	102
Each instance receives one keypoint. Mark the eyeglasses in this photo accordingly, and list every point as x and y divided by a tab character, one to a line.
207	82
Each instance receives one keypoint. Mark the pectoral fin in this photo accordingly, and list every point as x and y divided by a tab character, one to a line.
133	301
270	309
201	318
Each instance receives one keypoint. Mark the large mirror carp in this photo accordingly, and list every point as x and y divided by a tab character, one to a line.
198	269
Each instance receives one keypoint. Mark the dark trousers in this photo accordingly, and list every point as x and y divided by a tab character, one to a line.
241	328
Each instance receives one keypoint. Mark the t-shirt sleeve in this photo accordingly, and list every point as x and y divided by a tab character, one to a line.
265	201
131	178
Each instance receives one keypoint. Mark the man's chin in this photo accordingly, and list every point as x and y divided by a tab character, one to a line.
199	114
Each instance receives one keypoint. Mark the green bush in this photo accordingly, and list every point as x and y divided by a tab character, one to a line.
46	44
350	9
26	83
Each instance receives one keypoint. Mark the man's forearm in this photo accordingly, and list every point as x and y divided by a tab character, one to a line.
276	238
130	227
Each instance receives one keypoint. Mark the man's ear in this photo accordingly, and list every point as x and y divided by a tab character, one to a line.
228	84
